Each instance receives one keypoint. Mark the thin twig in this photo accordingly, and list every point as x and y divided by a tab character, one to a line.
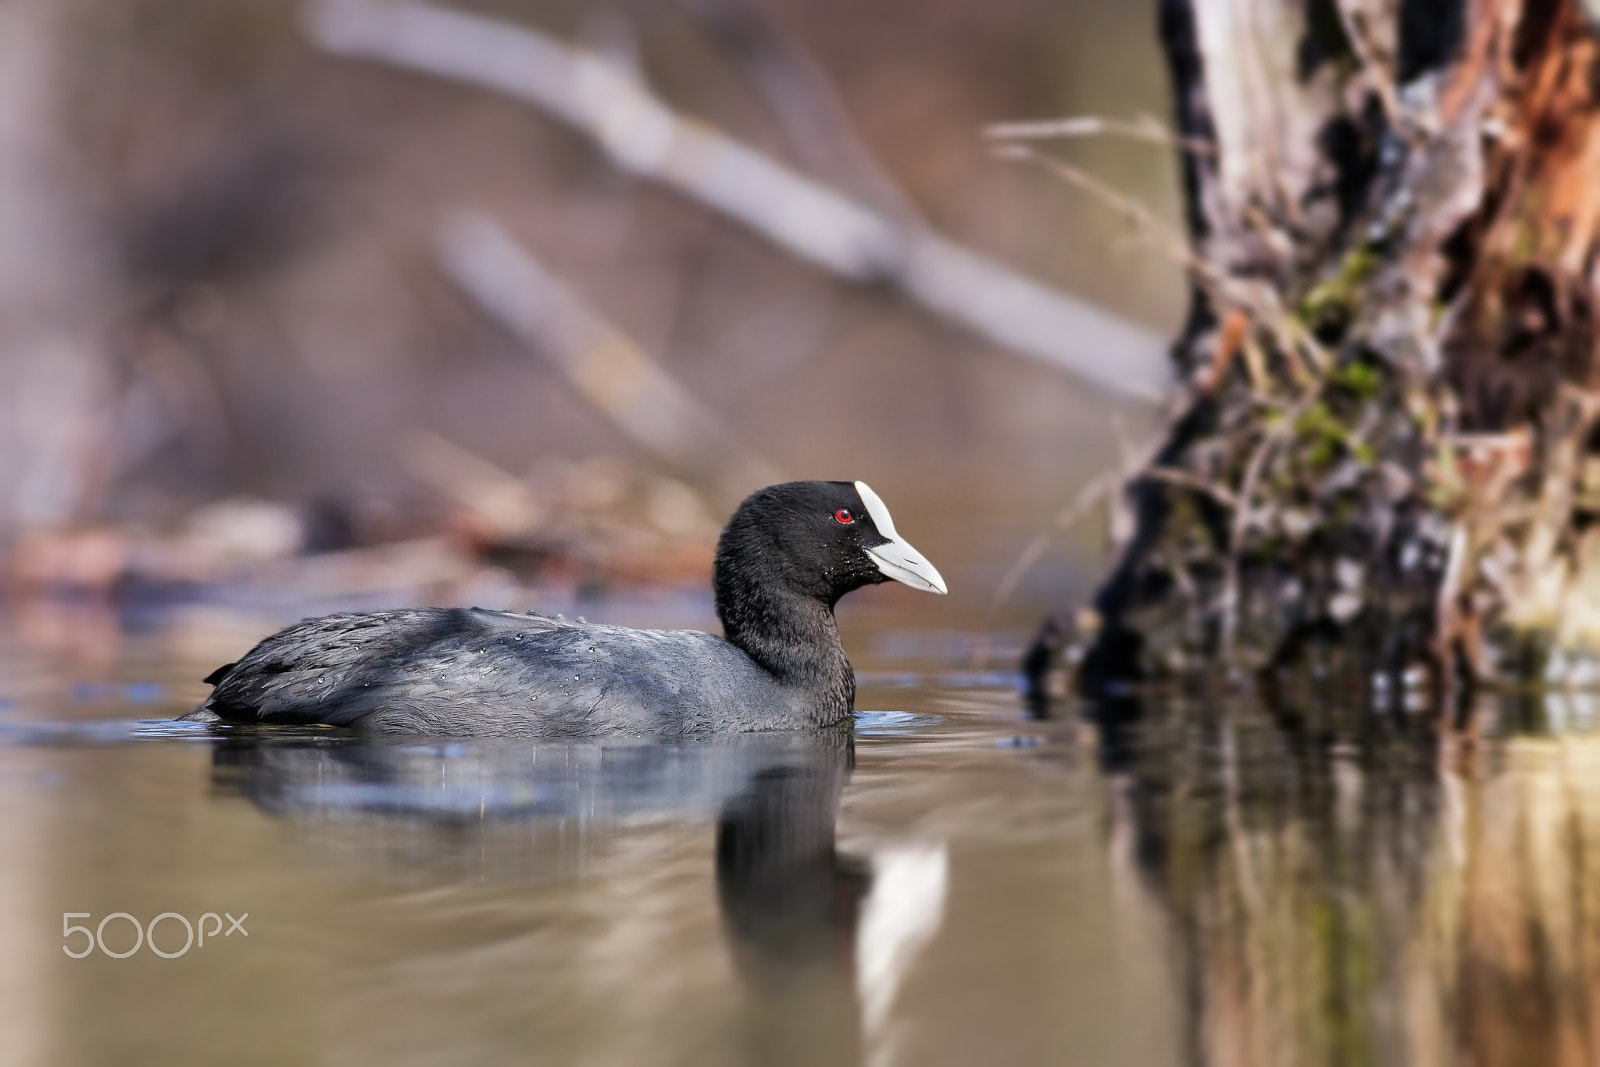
1146	129
1081	504
1068	517
1134	464
1174	245
1173	476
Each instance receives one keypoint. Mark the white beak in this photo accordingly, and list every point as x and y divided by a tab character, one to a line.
898	559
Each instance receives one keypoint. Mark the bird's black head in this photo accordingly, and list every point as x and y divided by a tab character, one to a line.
817	540
785	558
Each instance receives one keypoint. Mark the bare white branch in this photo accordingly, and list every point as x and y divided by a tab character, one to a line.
643	136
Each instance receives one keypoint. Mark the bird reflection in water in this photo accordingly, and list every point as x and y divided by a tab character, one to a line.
821	938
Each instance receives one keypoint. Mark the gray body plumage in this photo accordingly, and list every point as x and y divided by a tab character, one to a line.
471	671
785	558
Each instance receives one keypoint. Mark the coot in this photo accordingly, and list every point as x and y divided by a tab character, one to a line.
785	558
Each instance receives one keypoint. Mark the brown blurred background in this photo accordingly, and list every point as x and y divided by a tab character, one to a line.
217	278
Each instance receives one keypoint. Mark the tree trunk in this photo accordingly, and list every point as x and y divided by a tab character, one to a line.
1383	457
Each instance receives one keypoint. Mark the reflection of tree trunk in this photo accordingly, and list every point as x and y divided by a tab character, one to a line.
1372	901
50	372
1384	443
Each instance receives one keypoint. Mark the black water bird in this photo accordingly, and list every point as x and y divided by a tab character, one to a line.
785	558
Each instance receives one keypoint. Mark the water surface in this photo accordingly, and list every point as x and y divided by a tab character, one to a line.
959	879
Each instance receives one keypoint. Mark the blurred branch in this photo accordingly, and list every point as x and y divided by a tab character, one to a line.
601	362
799	94
501	502
643	136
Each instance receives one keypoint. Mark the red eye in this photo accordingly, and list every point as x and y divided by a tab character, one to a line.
844	516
